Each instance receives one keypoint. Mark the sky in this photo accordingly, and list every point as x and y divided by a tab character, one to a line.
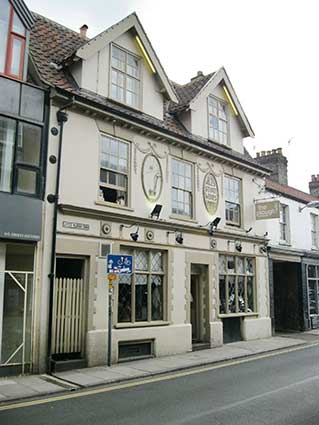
268	47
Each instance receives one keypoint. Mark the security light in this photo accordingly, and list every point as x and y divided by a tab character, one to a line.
156	211
134	236
238	246
249	230
212	226
311	204
179	238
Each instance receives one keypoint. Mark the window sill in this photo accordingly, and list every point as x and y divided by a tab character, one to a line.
284	243
220	144
183	218
113	205
141	324
225	316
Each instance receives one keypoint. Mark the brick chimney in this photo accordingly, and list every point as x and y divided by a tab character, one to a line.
276	162
83	31
314	185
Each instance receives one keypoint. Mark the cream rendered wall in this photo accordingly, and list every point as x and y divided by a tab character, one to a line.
299	224
95	76
199	117
80	174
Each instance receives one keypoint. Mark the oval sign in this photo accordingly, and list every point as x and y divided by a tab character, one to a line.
210	193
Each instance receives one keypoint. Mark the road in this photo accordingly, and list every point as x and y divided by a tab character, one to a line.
277	390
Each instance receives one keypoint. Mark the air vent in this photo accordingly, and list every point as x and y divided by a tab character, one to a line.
105	249
131	350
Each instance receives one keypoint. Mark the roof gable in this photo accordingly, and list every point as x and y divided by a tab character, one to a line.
130	22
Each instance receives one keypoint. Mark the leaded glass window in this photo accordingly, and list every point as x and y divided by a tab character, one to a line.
232	192
125	77
141	296
236	284
217	121
182	187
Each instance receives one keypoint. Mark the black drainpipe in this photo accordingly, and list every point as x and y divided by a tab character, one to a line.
62	118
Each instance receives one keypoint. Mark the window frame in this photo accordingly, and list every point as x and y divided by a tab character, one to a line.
192	204
12	35
128	174
314	218
228	222
314	279
224	103
126	52
133	322
284	224
236	275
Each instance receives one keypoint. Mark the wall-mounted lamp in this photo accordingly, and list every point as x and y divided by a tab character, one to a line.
212	226
134	235
249	230
156	211
312	204
178	236
238	246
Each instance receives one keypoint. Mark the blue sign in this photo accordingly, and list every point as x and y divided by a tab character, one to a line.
119	264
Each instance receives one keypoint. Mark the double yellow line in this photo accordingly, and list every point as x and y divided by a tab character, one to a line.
145	381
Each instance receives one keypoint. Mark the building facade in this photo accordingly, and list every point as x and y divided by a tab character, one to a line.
293	248
23	114
143	166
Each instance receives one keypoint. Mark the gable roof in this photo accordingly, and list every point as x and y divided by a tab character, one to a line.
23	12
190	92
110	34
289	192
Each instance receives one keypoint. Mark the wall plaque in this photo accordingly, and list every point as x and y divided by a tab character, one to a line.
75	226
210	193
152	177
267	210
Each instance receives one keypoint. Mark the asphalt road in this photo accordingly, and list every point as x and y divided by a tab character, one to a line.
283	389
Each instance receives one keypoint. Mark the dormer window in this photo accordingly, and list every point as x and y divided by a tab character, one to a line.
217	121
125	78
12	41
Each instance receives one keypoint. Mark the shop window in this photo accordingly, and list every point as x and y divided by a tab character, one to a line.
141	295
12	41
236	284
114	169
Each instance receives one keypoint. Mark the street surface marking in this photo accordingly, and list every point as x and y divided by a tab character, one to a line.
166	377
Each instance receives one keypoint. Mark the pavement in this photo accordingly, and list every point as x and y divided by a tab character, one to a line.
35	386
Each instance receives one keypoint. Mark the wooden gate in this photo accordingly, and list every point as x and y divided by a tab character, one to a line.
68	312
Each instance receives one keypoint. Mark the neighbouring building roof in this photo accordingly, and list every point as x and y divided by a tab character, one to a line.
289	192
52	43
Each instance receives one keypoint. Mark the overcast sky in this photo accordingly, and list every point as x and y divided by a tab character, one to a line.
269	49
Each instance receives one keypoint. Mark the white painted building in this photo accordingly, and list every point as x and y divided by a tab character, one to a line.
134	140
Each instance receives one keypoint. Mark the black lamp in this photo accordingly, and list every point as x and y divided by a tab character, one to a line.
179	238
156	211
238	246
212	226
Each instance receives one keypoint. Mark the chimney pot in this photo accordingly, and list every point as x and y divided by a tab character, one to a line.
83	31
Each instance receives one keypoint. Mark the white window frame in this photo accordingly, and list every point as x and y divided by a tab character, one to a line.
240	204
314	230
127	174
126	75
220	104
176	187
284	224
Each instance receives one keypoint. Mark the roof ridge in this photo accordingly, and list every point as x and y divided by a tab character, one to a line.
56	23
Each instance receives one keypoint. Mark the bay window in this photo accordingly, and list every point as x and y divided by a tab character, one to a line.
236	284
12	41
114	169
141	295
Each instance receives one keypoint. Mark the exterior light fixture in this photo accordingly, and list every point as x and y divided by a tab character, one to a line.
156	211
312	204
230	100
145	54
249	230
238	246
134	235
178	236
212	226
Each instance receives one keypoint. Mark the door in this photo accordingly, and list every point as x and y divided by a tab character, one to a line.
68	324
194	305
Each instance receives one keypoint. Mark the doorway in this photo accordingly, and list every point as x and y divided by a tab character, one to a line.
199	317
195	308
